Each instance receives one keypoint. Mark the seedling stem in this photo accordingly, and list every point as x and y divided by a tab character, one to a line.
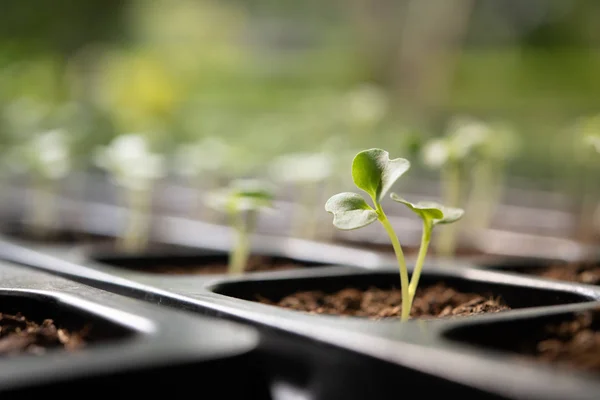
404	283
425	240
241	201
243	225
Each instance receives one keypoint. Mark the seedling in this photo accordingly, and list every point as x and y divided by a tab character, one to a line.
307	172
453	155
374	173
242	201
203	162
500	144
47	158
432	214
587	154
134	168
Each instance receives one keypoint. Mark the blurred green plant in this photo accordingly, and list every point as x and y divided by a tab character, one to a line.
586	132
204	163
304	172
46	158
454	154
490	158
134	168
241	201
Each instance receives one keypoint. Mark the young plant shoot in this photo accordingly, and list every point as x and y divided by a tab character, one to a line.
593	140
203	162
134	168
432	214
307	172
47	158
242	201
375	173
499	145
587	154
453	155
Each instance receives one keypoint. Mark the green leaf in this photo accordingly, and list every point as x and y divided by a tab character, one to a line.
375	173
451	214
350	211
241	195
431	210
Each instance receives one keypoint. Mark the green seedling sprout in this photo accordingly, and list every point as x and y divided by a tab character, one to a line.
587	150
375	173
134	168
242	201
47	158
203	162
593	140
432	214
453	155
500	144
307	172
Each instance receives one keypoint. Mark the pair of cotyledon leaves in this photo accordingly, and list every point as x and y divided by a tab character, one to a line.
375	173
242	195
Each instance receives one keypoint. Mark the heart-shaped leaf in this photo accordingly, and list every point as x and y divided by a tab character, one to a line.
350	211
431	210
375	173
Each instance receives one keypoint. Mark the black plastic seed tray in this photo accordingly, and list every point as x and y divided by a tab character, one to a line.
328	355
129	344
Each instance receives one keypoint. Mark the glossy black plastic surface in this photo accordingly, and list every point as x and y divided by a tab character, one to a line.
321	356
133	344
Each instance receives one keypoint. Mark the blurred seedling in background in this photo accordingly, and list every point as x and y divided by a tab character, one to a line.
203	162
374	173
587	153
454	154
134	168
46	157
499	144
364	108
241	201
307	173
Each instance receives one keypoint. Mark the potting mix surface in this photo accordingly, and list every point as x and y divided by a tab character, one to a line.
572	344
433	301
19	335
576	272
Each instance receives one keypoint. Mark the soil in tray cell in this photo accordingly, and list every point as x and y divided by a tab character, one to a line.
588	273
19	335
574	343
433	301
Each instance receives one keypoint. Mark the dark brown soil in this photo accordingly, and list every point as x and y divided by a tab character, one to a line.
256	263
574	344
588	273
430	302
18	335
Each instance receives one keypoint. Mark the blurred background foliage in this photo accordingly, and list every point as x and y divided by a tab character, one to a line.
274	76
